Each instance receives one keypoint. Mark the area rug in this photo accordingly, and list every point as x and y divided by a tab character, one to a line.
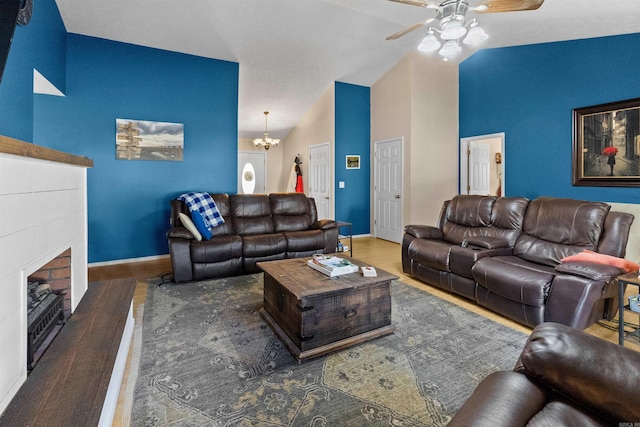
208	359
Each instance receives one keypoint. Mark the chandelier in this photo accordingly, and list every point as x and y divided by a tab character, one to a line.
453	26
265	141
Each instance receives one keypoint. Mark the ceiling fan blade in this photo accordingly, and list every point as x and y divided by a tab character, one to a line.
407	30
419	3
495	6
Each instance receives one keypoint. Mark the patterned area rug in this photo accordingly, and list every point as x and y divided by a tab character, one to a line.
208	359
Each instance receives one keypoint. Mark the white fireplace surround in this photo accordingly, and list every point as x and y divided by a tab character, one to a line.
43	212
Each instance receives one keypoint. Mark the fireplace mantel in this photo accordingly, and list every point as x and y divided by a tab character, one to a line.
43	212
25	149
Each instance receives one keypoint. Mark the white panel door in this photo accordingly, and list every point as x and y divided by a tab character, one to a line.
471	170
388	190
479	173
320	179
252	178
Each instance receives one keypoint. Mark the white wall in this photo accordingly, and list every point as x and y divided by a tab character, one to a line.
418	100
316	126
43	211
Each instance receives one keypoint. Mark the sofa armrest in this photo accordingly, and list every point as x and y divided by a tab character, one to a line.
324	224
503	399
589	270
180	252
590	371
180	233
424	232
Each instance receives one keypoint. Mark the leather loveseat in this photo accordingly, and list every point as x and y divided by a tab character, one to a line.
564	377
506	255
257	227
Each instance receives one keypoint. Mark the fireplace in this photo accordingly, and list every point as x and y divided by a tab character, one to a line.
48	304
31	236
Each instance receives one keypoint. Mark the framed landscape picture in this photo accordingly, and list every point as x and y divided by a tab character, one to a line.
145	140
353	161
606	145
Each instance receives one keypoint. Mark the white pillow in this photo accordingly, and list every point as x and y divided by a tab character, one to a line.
189	225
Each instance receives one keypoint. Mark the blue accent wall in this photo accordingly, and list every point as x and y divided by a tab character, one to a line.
39	45
128	201
529	93
353	136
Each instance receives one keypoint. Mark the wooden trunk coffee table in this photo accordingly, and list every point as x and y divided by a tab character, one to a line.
314	314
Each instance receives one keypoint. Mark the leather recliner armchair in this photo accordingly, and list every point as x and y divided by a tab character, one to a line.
564	377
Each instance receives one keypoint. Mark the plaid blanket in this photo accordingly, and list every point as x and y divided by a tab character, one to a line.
204	204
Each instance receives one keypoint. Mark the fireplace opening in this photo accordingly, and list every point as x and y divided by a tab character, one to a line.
48	305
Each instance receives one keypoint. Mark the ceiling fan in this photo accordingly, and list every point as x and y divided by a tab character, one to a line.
453	24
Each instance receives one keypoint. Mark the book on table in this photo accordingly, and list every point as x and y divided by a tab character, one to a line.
332	266
368	271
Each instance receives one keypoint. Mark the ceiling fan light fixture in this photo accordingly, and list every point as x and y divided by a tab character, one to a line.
450	49
453	25
476	35
453	29
429	43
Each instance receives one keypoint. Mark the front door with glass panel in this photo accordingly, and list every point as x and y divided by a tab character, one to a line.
251	172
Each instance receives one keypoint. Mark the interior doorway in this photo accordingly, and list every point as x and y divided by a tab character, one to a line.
482	165
387	190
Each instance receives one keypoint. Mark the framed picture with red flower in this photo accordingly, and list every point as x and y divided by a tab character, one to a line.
606	144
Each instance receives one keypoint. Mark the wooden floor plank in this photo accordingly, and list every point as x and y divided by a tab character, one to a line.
69	384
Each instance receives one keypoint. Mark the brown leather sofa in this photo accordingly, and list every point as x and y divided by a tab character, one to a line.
488	226
564	377
257	227
505	254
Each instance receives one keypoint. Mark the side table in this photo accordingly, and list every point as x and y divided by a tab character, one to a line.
626	279
350	235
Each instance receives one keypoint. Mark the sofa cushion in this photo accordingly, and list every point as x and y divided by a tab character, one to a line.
596	258
462	259
507	218
615	235
223	204
431	253
198	221
465	216
555	228
303	241
261	245
251	214
290	212
515	279
189	225
219	248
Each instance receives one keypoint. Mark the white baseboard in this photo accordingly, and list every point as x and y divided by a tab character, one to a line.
126	261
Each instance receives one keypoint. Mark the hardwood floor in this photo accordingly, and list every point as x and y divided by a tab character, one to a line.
379	253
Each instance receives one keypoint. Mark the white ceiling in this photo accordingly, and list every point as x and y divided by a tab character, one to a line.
290	51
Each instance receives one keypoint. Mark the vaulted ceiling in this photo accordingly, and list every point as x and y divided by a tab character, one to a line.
290	51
